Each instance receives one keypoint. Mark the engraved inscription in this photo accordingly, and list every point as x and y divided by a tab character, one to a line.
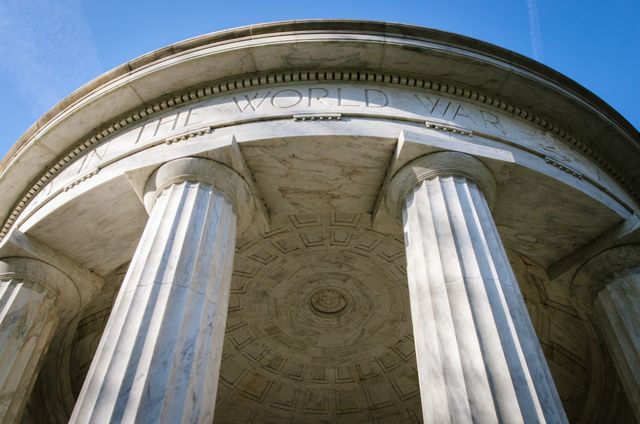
95	156
254	102
491	119
375	98
317	95
454	111
303	102
285	99
323	97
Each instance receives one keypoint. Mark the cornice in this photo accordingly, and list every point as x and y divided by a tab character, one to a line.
339	27
225	86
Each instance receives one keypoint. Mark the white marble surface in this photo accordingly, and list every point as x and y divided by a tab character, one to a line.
460	68
69	181
478	356
28	321
348	161
617	312
159	358
274	103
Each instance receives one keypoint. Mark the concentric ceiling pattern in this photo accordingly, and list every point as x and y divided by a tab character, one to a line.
319	328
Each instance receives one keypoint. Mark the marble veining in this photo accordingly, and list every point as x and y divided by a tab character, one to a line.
159	358
27	323
294	139
478	355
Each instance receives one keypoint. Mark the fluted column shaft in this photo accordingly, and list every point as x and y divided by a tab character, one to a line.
28	320
159	357
617	312
478	357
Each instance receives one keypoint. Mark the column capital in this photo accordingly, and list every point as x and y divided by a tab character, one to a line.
45	277
35	296
595	274
222	178
439	164
159	357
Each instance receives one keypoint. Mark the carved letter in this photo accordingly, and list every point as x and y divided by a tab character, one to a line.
340	99
193	112
47	190
93	157
296	101
140	131
446	109
166	120
491	119
148	130
325	93
431	107
382	95
249	101
461	111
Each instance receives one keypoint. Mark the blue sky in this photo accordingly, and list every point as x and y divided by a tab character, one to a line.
48	48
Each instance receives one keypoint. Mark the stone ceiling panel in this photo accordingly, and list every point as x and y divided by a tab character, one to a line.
334	173
319	328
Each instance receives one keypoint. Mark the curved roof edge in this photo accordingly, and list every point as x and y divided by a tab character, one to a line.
590	103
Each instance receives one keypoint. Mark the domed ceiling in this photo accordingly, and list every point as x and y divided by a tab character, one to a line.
319	329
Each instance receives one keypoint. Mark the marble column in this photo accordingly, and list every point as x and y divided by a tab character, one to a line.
159	357
617	313
29	316
478	357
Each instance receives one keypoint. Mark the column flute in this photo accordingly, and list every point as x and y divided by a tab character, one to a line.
617	313
34	296
159	357
478	357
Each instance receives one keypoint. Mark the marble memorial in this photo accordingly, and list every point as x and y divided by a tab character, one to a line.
323	222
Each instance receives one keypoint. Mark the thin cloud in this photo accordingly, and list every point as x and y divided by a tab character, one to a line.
534	30
46	49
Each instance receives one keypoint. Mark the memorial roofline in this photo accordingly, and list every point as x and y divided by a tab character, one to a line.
592	114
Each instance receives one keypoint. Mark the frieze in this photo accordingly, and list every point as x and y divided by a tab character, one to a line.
458	108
